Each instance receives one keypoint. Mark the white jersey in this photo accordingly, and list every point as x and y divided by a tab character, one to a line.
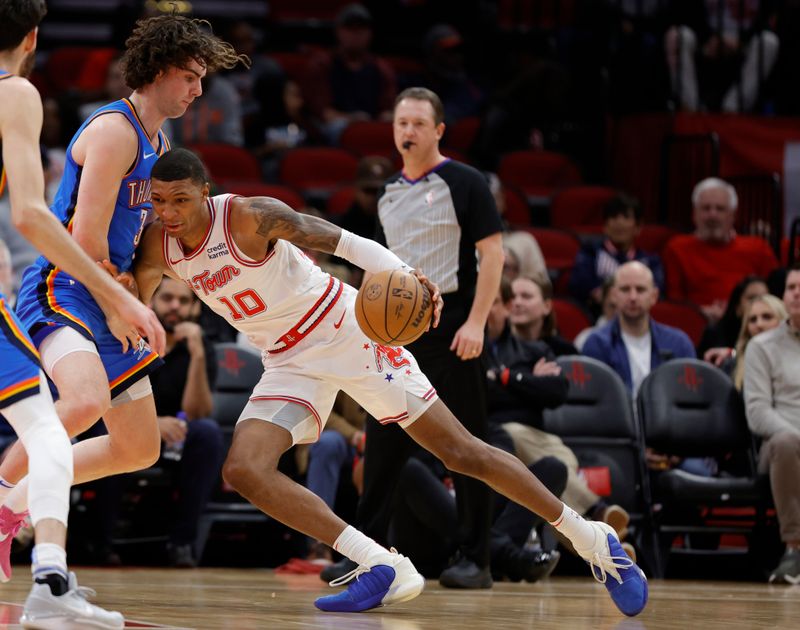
275	301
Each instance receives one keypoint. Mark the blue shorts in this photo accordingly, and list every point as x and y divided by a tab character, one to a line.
49	298
19	360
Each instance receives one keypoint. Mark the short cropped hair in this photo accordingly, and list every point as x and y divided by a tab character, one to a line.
18	18
423	94
624	204
179	164
709	183
166	41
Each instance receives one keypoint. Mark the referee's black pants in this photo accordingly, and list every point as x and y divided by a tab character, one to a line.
462	387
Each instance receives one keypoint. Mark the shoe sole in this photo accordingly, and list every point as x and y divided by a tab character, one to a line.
62	623
409	586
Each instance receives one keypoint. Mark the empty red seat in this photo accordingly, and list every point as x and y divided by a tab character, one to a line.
368	137
320	170
518	213
652	238
683	315
226	161
538	173
580	208
461	134
341	200
260	189
570	318
559	248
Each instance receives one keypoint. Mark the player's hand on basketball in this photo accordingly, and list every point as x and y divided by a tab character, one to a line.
543	367
468	341
172	429
436	297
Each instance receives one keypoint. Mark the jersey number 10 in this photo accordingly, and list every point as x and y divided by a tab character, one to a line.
246	303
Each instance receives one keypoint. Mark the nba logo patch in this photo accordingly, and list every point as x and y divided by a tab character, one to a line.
429	198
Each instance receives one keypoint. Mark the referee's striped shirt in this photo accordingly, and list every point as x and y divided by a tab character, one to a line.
433	222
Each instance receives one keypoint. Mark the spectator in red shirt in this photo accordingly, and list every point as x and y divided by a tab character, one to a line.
705	266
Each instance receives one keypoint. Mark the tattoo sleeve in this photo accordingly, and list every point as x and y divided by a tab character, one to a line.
277	220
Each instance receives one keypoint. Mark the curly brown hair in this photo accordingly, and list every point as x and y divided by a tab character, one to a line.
166	41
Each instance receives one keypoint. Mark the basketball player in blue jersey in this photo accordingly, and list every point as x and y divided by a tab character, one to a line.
55	600
303	322
103	200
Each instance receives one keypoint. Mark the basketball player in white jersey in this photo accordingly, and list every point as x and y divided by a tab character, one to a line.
241	256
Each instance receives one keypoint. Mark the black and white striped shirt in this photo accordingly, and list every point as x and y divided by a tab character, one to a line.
433	222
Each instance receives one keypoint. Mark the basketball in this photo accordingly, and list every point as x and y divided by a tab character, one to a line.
393	308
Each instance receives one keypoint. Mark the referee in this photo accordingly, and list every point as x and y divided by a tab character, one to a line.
440	217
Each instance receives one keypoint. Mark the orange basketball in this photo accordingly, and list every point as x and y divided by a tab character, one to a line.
393	308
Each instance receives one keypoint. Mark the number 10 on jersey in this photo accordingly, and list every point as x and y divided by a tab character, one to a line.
243	304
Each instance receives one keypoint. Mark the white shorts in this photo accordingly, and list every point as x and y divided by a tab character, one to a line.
336	355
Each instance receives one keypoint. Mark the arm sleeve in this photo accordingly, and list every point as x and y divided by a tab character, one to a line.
369	255
761	416
483	218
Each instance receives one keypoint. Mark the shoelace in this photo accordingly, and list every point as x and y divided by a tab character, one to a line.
606	563
355	573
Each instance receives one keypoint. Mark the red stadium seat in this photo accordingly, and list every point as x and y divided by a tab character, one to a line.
310	12
580	208
683	315
341	200
320	170
293	63
570	318
228	162
64	67
537	173
461	134
652	238
518	213
260	189
369	137
559	248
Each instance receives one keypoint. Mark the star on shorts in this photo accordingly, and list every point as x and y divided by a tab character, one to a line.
388	377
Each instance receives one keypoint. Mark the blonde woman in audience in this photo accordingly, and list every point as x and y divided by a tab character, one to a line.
765	312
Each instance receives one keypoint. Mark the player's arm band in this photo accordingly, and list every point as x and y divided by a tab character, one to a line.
367	254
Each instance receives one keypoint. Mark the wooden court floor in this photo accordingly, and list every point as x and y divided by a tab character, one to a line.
254	599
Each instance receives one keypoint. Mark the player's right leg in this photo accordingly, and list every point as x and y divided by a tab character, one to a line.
438	431
383	577
74	365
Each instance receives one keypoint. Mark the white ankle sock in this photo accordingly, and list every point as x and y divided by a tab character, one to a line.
576	529
359	548
17	499
49	558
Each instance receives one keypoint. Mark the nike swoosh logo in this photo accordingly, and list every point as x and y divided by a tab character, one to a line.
338	324
147	156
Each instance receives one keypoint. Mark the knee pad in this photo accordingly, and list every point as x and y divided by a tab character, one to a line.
50	466
60	343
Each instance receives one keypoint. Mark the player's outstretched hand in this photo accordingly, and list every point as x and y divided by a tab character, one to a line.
129	320
125	278
436	297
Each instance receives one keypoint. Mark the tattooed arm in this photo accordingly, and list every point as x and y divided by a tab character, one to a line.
257	222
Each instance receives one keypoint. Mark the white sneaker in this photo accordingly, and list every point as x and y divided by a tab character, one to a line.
45	611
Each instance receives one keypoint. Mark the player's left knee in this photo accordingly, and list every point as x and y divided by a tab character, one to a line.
467	456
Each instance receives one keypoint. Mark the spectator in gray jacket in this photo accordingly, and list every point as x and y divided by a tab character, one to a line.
772	394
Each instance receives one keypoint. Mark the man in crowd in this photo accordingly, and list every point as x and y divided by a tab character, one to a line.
704	267
772	395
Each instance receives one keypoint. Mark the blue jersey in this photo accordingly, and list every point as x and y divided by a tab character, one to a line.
133	201
3	75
